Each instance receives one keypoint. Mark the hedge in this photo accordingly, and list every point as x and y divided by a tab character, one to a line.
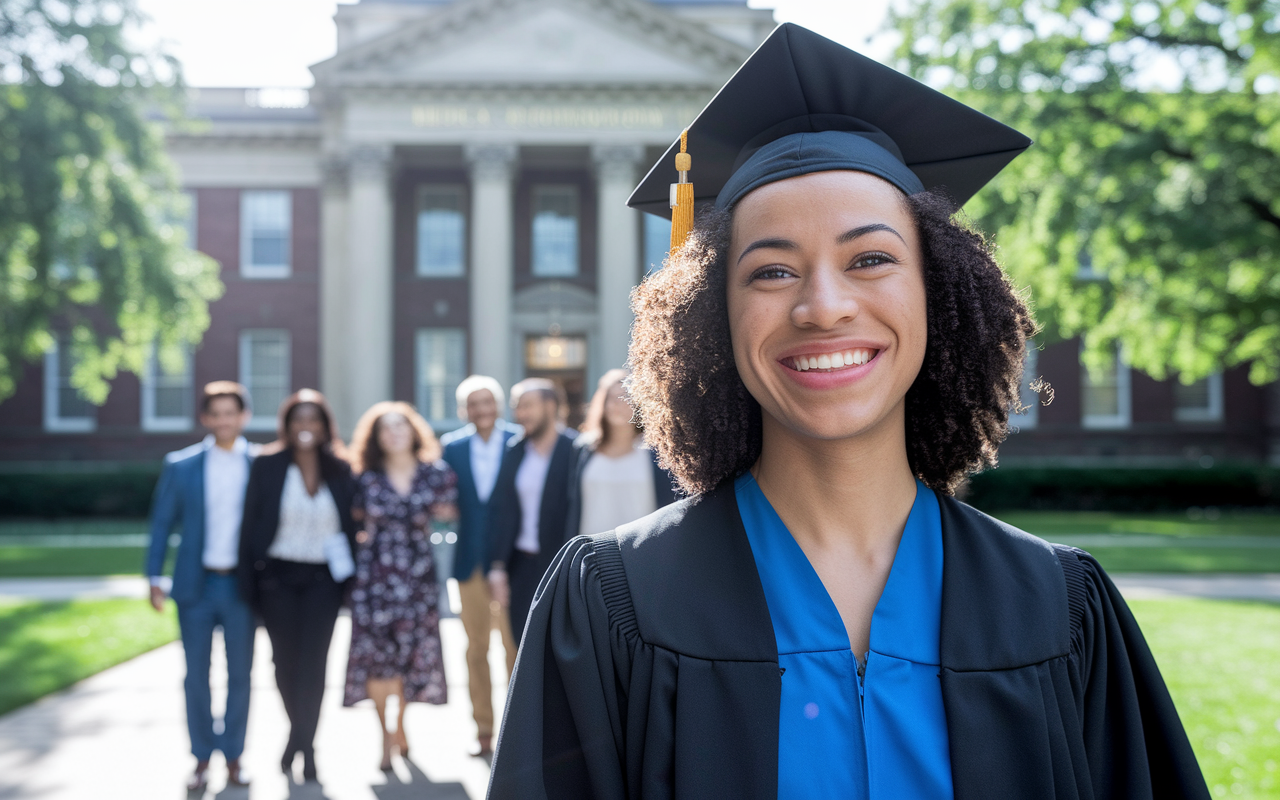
1145	490
123	493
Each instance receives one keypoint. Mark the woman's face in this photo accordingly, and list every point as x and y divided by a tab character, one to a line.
306	427
826	302
617	411
395	434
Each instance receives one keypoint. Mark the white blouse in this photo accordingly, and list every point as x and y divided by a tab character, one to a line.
616	491
306	522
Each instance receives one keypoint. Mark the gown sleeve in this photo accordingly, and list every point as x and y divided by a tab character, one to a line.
1135	743
562	731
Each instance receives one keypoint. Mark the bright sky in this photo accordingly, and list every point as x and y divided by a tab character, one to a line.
272	42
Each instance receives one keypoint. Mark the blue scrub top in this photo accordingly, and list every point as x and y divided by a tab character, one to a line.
882	735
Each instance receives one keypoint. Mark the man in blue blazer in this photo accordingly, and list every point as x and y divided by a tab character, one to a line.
475	453
201	493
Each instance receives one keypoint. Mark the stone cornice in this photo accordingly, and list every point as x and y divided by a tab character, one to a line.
688	38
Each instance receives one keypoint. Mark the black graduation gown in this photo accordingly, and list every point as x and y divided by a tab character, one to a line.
649	670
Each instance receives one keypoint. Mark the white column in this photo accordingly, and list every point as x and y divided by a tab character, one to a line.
492	210
334	308
369	281
618	253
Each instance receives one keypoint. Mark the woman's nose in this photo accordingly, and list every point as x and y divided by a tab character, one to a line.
824	300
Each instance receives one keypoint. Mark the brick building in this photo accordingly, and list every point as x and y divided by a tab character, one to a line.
450	198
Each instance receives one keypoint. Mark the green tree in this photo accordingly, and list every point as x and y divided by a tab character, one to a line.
1147	214
89	243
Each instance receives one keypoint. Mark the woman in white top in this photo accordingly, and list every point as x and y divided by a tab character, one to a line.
296	542
615	479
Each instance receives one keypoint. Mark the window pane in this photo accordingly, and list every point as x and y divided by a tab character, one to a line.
71	405
265	371
657	241
441	231
555	231
266	218
171	401
1102	392
442	364
1192	397
170	388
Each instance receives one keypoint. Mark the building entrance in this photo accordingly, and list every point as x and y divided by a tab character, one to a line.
562	360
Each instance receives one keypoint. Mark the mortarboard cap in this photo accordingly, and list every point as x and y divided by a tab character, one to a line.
803	103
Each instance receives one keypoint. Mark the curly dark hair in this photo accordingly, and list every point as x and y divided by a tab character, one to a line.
705	426
366	453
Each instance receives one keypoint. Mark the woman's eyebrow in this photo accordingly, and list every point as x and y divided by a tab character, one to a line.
849	236
771	244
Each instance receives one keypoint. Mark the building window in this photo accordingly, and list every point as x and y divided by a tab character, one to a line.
657	242
190	220
441	232
555	231
555	352
265	372
265	224
1106	395
65	409
167	394
441	360
1030	400
1200	401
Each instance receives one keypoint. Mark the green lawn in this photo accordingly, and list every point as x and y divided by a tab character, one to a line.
1219	659
1065	523
40	562
45	647
1182	559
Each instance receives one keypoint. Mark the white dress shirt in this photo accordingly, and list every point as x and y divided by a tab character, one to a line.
307	521
486	458
531	478
226	473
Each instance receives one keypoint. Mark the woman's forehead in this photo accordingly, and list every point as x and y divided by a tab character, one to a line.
843	200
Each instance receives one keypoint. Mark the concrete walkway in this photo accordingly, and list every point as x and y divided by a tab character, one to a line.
122	734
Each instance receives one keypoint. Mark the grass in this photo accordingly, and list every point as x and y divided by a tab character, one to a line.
1219	660
1184	559
24	561
1065	523
45	646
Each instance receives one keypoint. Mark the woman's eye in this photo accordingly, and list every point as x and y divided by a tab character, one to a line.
870	260
771	273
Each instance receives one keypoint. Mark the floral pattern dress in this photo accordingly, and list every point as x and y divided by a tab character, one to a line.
395	616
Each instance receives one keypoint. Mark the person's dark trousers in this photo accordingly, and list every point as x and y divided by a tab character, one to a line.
220	605
299	604
524	573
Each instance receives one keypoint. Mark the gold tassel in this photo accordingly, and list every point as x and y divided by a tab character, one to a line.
682	197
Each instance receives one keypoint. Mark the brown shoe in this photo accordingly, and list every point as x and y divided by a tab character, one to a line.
200	778
236	777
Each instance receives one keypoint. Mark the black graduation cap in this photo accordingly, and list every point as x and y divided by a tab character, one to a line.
803	103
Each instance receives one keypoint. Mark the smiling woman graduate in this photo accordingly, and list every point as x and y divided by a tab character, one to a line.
820	365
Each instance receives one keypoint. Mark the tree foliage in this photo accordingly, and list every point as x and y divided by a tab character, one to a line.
1147	214
90	243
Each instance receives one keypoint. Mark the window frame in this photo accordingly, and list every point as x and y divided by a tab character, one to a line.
248	269
1123	418
264	419
151	422
573	191
1211	413
54	422
421	387
460	190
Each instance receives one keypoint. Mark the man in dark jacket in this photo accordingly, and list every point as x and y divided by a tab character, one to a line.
475	453
201	493
531	500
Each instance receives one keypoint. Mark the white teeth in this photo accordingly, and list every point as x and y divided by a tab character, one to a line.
849	358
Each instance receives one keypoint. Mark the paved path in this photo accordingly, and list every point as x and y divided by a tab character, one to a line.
1262	586
74	588
122	734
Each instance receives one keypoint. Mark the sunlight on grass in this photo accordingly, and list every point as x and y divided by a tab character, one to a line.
1219	659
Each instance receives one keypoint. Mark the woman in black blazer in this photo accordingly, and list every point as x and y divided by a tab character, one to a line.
296	543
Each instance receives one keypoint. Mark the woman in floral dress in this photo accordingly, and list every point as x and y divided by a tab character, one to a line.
395	618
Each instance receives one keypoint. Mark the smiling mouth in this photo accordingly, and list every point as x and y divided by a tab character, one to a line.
830	362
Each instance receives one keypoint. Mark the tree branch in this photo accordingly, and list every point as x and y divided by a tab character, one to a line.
1169	40
1262	210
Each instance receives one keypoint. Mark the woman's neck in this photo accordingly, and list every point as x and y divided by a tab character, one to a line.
850	493
400	462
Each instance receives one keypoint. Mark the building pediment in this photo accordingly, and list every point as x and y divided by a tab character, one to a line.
539	42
